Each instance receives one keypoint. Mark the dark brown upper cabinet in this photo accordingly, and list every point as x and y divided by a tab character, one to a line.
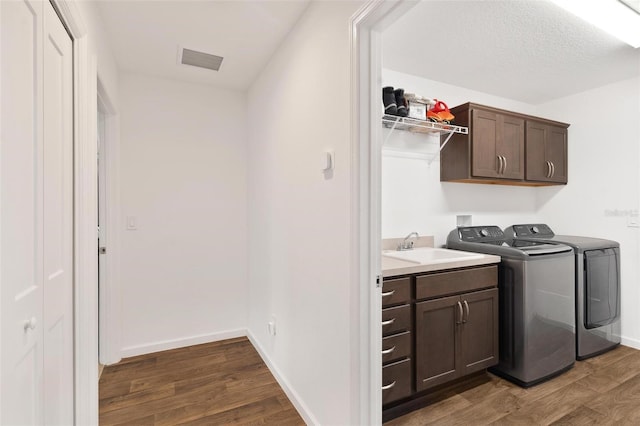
546	152
497	145
497	149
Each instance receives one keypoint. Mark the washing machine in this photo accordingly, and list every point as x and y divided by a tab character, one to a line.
597	282
536	303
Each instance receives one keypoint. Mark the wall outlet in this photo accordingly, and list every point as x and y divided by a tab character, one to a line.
464	220
271	326
633	221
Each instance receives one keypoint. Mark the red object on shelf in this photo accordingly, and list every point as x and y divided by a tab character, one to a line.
440	113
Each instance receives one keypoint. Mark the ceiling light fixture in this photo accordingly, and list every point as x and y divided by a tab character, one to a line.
616	17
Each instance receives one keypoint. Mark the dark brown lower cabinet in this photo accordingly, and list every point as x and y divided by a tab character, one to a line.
437	344
455	334
396	381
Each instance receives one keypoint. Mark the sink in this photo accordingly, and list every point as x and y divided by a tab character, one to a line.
428	255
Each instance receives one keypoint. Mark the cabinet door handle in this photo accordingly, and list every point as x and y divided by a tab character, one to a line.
388	351
504	166
553	168
499	157
466	308
388	322
389	386
548	174
389	293
459	312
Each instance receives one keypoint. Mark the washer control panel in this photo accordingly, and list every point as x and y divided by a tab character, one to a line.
533	230
480	233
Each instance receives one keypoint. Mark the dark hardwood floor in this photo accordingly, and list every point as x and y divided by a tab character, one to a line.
228	383
212	384
604	390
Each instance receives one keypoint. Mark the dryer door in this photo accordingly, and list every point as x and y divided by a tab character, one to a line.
602	287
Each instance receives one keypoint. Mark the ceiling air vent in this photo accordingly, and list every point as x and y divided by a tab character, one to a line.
199	59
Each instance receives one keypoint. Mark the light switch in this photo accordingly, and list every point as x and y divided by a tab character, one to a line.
327	161
132	223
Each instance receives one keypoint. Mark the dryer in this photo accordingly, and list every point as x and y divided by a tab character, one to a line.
597	282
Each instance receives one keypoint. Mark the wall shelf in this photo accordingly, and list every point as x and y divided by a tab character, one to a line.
415	126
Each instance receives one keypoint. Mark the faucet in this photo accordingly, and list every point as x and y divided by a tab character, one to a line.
406	245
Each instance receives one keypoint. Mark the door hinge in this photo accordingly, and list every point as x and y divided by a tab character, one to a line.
378	281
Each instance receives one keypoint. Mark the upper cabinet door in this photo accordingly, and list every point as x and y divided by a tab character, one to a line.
556	153
498	145
484	136
546	152
537	166
511	146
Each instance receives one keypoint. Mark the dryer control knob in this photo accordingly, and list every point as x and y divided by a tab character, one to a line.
484	232
535	230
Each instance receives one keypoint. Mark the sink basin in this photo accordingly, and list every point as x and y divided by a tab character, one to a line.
427	255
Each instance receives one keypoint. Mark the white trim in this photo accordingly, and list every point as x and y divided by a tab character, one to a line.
293	396
85	238
632	343
366	154
71	17
165	345
85	217
109	321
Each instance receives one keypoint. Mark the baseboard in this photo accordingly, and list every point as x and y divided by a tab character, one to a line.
293	396
182	342
632	343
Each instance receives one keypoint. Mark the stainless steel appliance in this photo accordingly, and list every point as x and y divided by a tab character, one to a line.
597	282
536	309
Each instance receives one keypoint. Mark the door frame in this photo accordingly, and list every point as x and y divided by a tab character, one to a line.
85	260
366	28
109	326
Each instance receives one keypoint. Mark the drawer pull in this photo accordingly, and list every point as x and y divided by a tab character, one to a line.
388	351
389	386
389	293
389	322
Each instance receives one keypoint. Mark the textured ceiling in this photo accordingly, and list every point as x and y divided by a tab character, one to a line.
527	50
145	36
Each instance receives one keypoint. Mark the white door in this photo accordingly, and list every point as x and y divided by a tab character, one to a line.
58	224
36	385
21	212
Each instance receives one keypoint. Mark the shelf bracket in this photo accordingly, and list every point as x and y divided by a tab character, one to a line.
393	127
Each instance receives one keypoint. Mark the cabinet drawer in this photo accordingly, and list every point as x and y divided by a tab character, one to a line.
396	347
453	282
396	381
396	292
396	319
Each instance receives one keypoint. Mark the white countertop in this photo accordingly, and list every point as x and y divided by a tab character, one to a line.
429	259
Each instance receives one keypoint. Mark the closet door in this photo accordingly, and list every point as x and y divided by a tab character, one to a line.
21	212
58	225
36	172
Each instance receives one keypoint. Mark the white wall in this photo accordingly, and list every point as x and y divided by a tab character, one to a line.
604	176
299	230
99	45
414	199
183	176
